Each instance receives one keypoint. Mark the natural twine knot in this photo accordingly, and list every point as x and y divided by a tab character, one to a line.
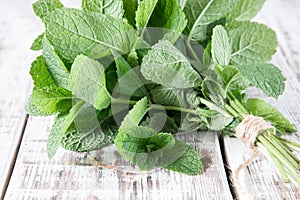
247	132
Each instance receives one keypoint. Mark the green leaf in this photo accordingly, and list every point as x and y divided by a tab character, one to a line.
188	163
144	12
190	123
201	14
135	115
109	7
37	43
88	129
111	78
213	90
221	49
40	74
169	15
263	109
91	137
186	98
130	82
32	110
216	121
245	10
182	3
87	82
43	7
73	32
166	65
130	7
161	122
55	135
252	43
142	146
73	113
55	66
266	77
229	74
52	99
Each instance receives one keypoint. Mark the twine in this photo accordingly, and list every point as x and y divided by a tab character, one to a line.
247	132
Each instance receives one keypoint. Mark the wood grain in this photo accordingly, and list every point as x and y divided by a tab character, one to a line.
70	176
17	31
260	179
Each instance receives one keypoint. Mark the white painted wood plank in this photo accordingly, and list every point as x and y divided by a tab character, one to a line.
64	177
17	31
260	179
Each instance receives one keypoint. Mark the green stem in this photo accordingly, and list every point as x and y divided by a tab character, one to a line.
155	106
271	148
174	108
289	143
232	111
213	106
279	165
278	143
237	109
122	101
191	50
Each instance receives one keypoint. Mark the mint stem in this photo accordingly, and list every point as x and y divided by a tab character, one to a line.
270	147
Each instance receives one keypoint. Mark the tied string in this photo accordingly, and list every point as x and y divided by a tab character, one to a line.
247	132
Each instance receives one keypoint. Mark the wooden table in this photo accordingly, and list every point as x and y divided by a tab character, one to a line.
26	172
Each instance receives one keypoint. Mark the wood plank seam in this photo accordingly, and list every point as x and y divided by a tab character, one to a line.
227	168
14	159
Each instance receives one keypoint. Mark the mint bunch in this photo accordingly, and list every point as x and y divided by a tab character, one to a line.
178	66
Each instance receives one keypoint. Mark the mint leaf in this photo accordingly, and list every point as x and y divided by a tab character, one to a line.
109	7
169	15
73	32
55	66
135	115
87	82
52	99
47	97
73	113
129	79
213	90
266	77
245	10
43	7
40	74
32	110
182	3
263	109
201	14
161	122
189	163
186	98
130	6
55	135
251	43
221	49
144	12
166	65
89	129
93	138
142	146
37	43
215	120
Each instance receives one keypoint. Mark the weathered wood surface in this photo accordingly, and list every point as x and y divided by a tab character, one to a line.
260	179
65	177
17	30
70	176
